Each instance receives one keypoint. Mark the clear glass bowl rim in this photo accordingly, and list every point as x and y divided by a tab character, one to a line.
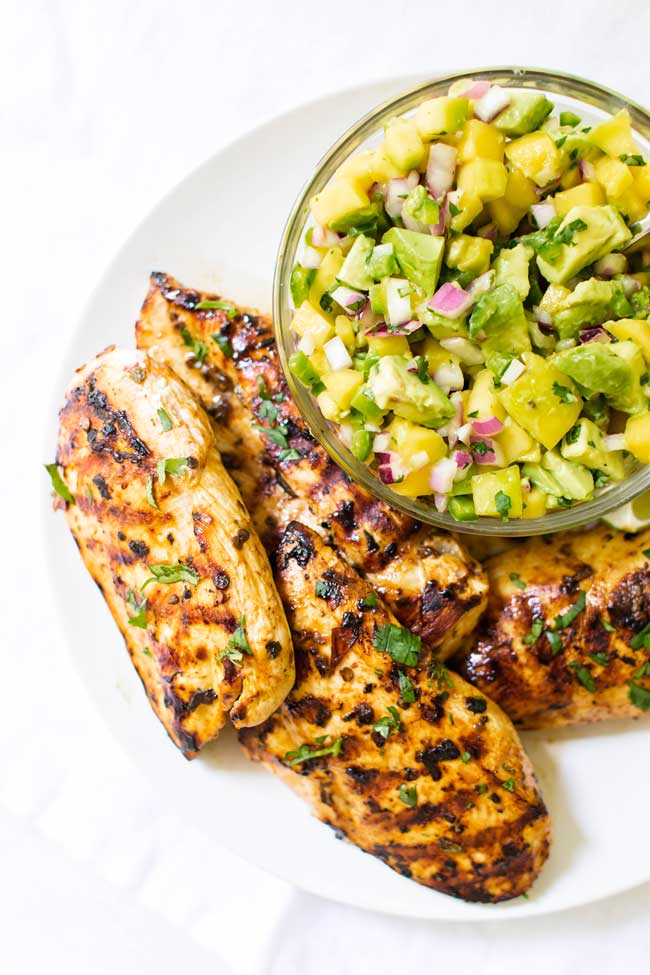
553	82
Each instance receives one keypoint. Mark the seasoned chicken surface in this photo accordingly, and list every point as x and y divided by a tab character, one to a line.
427	579
564	638
410	764
163	531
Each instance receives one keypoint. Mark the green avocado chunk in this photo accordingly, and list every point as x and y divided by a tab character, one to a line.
588	304
420	206
575	480
586	234
355	272
527	111
418	255
499	315
512	267
584	443
614	370
393	387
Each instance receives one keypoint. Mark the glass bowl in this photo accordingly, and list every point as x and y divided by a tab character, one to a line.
569	93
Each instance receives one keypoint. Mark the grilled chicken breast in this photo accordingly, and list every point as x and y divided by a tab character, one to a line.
163	531
410	764
426	578
563	640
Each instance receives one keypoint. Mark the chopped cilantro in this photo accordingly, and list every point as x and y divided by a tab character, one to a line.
138	604
517	581
289	454
175	466
601	658
402	645
408	795
465	757
218	305
423	369
370	601
583	674
59	484
566	619
389	723
536	629
632	159
223	344
569	118
639	696
439	673
237	644
322	589
555	642
503	504
406	689
165	420
646	552
306	752
509	784
167	573
150	495
198	346
564	394
641	639
607	625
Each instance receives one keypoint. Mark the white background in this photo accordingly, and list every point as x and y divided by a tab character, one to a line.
104	106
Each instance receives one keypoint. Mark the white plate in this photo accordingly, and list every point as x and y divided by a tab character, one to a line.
219	229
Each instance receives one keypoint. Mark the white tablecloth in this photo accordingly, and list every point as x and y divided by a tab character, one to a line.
104	106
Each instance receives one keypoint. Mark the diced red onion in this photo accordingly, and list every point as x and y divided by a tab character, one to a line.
451	432
337	354
541	316
440	501
610	265
492	455
475	91
487	427
449	376
614	441
492	103
630	285
488	231
398	305
345	433
462	459
465	433
587	169
311	258
392	469
513	372
348	298
594	333
381	443
307	344
441	167
549	188
542	214
324	237
438	229
442	475
463	349
451	301
367	318
396	192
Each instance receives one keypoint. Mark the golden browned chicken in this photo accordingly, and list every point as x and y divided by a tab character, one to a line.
427	578
566	638
163	531
410	763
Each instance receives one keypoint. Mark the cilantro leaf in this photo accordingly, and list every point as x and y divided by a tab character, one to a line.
566	619
509	784
59	484
175	466
237	644
564	394
150	495
198	346
168	573
632	159
218	305
439	673
370	601
389	723
165	420
517	581
639	696
536	629
139	606
555	642
606	625
223	343
601	658
306	752
503	504
584	675
402	645
406	689
641	639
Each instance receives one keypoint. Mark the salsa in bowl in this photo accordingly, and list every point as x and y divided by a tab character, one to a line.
457	318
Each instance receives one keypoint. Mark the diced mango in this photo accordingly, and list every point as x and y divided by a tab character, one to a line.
534	503
585	194
411	439
365	168
391	345
320	362
483	401
312	321
485	179
614	135
402	143
516	444
488	490
414	484
435	354
537	404
537	156
636	329
570	178
637	437
342	384
614	176
343	328
641	177
337	200
469	253
520	190
441	116
328	406
468	208
631	204
506	216
326	275
480	140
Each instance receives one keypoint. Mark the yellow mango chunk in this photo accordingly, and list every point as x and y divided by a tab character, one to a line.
314	322
535	402
635	329
485	179
614	135
488	489
365	168
342	384
614	176
337	200
631	204
480	140
537	156
415	484
520	191
411	439
534	503
585	194
637	437
483	400
391	345
469	253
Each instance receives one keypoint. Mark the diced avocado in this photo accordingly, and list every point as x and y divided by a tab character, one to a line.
301	281
364	404
439	326
585	235
596	408
382	263
613	370
419	206
527	111
498	493
462	509
337	201
326	276
584	444
635	329
403	144
355	272
361	444
394	388
441	116
575	480
464	486
378	302
542	479
499	315
369	220
542	400
469	253
588	304
512	266
418	255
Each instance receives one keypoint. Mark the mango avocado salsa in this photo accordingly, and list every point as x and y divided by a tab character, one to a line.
463	311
